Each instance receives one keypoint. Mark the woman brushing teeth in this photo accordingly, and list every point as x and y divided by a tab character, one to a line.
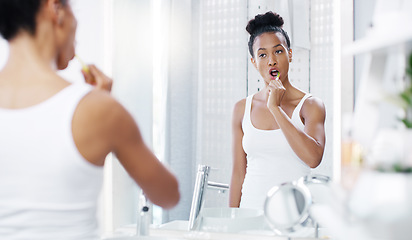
278	132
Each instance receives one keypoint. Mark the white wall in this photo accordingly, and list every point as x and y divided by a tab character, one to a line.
362	21
322	69
180	102
133	86
222	82
89	38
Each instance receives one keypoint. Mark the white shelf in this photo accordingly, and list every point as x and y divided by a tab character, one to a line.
378	42
390	30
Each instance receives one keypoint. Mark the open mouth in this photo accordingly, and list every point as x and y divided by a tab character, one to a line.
274	73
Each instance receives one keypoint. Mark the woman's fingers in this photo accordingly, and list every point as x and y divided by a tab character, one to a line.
97	78
88	77
276	90
276	85
276	82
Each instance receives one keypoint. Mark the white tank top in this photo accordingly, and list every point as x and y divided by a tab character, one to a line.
270	159
47	189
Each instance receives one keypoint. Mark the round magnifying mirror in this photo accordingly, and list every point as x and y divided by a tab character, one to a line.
286	207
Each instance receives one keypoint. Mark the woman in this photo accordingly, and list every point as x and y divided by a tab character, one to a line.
55	136
278	133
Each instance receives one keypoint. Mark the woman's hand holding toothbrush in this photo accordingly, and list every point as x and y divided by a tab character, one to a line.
276	90
95	77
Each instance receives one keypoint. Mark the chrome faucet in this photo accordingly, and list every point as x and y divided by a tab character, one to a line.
144	217
201	184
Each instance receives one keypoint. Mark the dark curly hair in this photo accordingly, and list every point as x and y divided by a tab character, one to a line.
263	23
18	15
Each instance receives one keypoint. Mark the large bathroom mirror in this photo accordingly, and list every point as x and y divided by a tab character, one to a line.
180	66
205	69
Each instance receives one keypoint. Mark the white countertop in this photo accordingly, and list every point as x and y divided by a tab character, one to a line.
177	230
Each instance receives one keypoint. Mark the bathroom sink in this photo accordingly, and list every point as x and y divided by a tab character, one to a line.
216	223
177	230
232	220
176	225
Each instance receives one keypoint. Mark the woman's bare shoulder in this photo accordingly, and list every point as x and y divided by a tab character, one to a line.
100	100
313	106
97	121
100	108
314	102
239	111
239	107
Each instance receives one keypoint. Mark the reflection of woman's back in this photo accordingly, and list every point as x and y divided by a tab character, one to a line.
264	160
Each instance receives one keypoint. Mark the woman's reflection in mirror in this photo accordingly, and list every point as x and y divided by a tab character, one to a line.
277	133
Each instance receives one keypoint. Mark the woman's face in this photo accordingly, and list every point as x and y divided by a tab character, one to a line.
66	42
271	56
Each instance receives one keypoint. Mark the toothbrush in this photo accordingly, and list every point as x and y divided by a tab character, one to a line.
85	68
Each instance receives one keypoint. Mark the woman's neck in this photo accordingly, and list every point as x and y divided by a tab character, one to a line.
29	55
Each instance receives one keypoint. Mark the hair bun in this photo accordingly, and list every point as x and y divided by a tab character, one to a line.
262	20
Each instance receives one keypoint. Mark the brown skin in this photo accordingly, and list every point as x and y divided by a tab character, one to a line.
97	78
100	124
272	108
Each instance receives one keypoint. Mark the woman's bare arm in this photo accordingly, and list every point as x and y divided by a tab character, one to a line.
101	125
308	144
158	184
239	155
